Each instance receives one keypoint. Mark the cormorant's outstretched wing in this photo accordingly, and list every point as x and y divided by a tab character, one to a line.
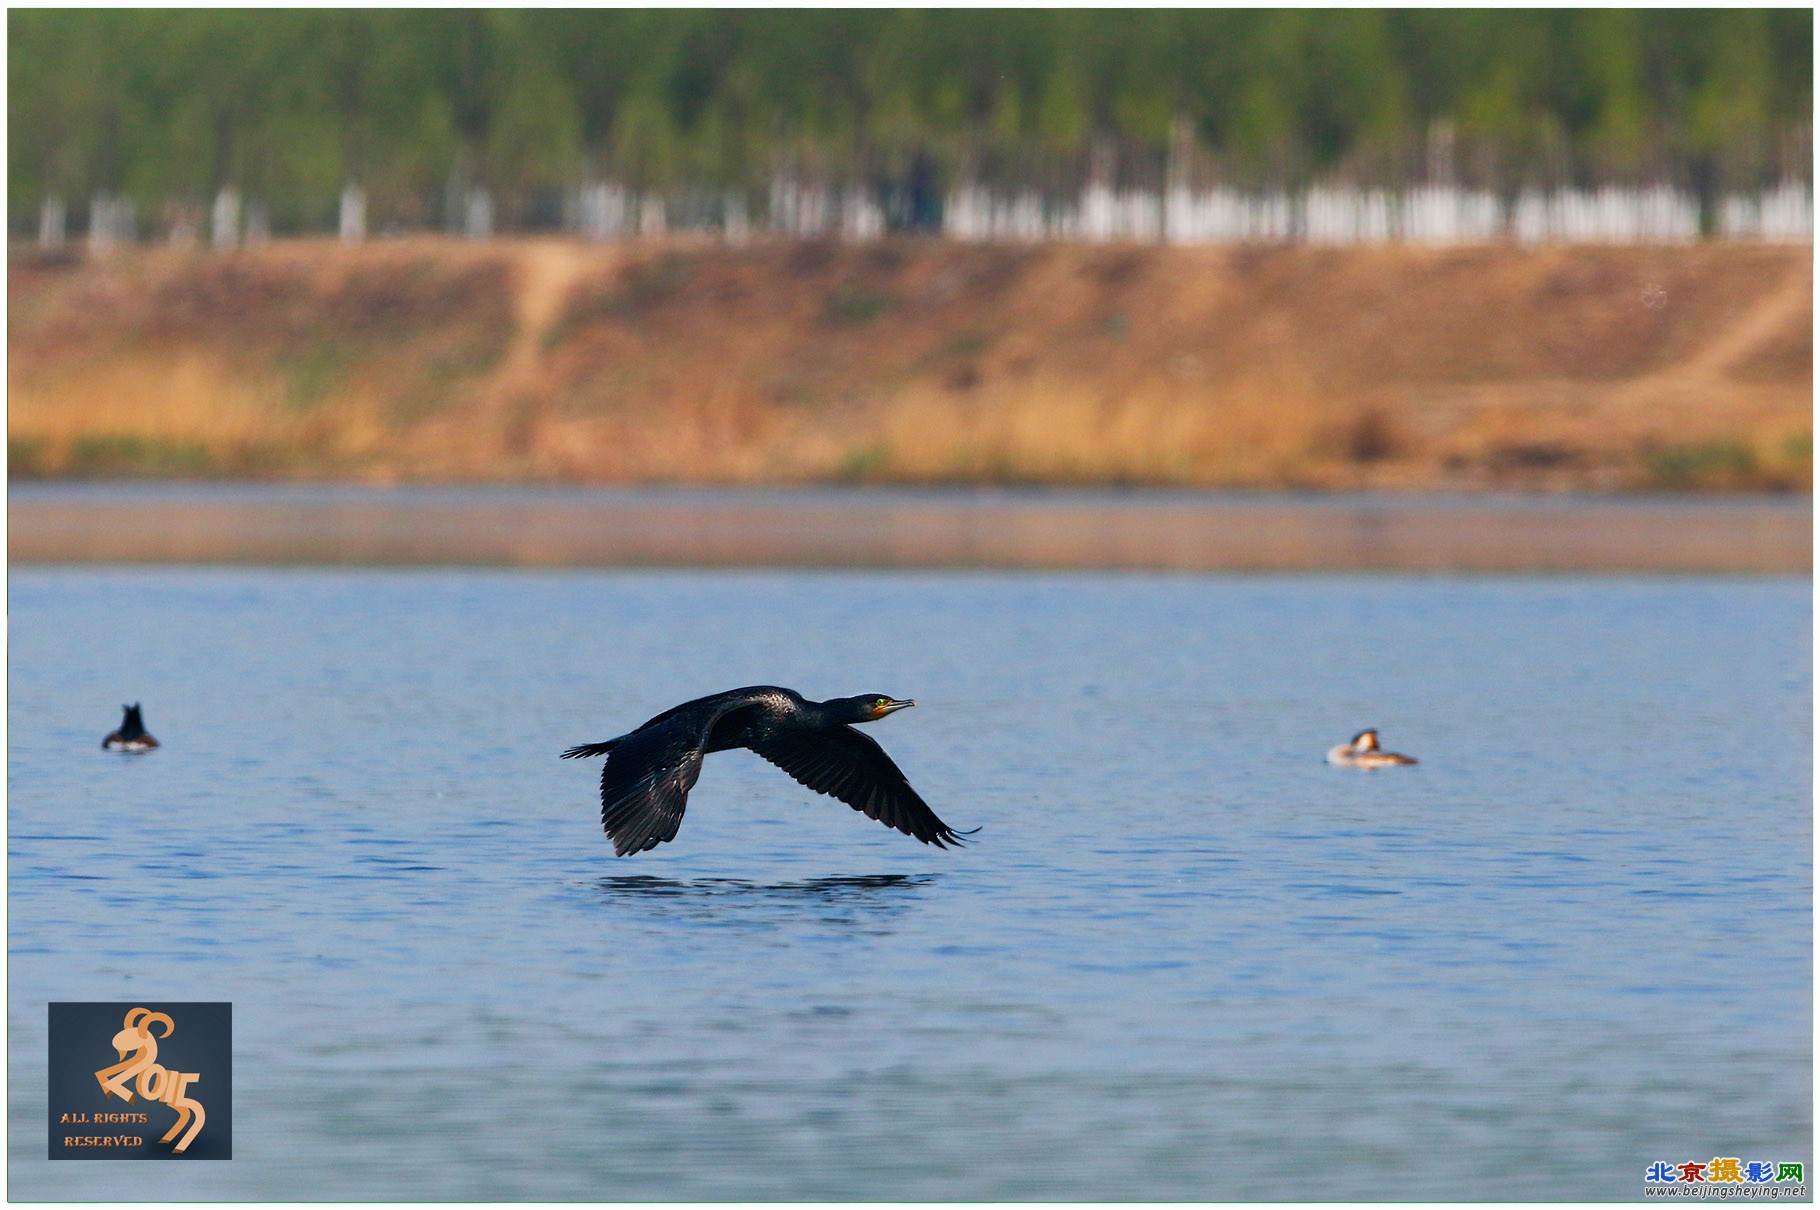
602	748
649	772
848	765
646	781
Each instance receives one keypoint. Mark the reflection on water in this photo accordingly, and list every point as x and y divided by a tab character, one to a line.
1182	531
825	890
1186	959
864	900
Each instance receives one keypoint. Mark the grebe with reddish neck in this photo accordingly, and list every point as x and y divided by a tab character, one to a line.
1363	753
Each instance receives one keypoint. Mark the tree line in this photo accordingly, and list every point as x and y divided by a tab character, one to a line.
410	106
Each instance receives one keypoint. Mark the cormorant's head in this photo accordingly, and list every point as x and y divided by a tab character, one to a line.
1365	741
868	706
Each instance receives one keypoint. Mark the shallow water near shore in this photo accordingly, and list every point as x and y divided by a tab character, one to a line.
825	527
1183	959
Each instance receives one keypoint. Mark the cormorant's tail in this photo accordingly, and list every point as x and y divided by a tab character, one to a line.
600	749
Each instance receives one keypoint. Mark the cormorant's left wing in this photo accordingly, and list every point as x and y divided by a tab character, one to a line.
644	786
847	764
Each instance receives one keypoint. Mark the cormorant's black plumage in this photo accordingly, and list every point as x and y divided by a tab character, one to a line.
649	772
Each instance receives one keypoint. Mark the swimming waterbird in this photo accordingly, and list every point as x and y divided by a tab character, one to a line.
1363	753
645	784
132	736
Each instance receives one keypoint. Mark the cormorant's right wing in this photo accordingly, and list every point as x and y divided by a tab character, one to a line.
847	764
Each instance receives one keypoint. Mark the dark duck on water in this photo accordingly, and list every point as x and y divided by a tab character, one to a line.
132	736
649	772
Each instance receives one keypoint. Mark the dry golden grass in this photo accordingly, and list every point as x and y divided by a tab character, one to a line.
919	361
1256	431
187	396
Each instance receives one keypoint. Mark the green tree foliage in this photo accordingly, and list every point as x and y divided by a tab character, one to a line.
291	105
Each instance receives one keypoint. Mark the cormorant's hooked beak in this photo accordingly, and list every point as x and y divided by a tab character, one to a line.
893	706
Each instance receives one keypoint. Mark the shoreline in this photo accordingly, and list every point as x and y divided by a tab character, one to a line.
905	528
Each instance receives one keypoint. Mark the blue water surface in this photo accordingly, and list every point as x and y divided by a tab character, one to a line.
1184	959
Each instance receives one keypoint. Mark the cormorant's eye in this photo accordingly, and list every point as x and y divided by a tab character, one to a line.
881	703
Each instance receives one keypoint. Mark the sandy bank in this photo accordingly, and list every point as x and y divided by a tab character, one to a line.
919	362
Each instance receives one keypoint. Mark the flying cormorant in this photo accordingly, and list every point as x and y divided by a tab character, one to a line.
645	784
132	736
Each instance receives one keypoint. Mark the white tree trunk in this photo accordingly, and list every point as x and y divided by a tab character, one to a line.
51	217
224	219
353	213
734	225
110	219
477	214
